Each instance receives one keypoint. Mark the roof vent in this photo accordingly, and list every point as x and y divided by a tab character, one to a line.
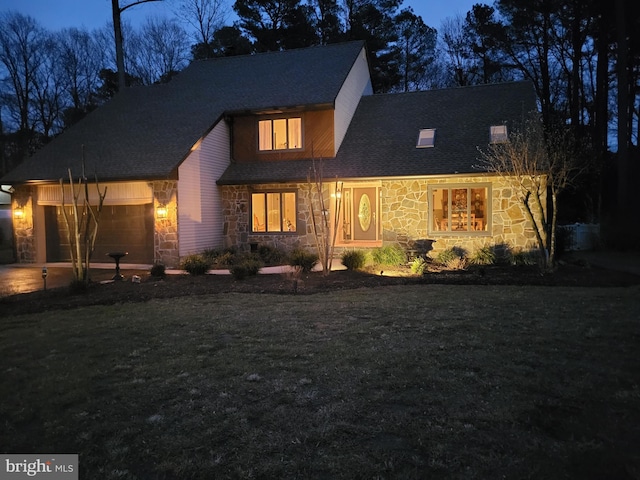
426	138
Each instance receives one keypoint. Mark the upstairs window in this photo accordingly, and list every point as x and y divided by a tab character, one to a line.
498	134
280	134
426	138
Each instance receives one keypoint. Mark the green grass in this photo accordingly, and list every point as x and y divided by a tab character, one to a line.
426	381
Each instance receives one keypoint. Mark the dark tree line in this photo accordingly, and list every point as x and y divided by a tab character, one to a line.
582	56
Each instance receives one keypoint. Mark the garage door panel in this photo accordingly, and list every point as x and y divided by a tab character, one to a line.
127	228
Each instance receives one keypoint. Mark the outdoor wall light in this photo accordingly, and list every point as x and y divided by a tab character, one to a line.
161	211
18	212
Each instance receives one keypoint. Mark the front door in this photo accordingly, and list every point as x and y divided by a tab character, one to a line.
365	208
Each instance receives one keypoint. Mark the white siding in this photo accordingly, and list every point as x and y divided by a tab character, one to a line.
199	206
357	84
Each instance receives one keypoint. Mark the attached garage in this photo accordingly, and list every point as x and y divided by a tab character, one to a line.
126	221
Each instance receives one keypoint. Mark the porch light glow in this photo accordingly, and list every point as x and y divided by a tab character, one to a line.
18	212
161	211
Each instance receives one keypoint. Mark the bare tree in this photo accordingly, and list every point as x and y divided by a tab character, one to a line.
47	92
79	61
21	56
324	218
159	50
82	224
455	45
116	11
205	16
537	165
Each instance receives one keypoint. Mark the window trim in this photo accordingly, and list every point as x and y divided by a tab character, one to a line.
253	217
488	227
498	134
272	120
426	138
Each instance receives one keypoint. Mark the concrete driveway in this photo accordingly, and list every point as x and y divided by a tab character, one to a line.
23	278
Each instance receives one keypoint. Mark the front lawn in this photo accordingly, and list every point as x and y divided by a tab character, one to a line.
407	381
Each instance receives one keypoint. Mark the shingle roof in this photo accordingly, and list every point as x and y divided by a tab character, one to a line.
145	132
381	139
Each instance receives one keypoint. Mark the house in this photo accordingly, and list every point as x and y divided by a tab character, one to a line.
221	155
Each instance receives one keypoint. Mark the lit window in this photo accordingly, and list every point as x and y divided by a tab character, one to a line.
459	209
426	138
280	134
273	212
498	134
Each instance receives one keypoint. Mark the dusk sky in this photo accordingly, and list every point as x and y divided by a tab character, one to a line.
58	14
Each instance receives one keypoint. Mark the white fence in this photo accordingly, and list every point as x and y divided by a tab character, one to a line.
581	236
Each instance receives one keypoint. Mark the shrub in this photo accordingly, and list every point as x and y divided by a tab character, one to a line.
419	265
353	259
158	270
447	256
196	264
519	257
302	259
211	254
457	263
270	255
389	255
483	256
247	266
220	258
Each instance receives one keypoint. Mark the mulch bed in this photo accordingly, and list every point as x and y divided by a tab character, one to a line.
578	275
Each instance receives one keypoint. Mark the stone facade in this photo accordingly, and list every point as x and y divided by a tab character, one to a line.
23	227
405	207
404	213
165	237
236	208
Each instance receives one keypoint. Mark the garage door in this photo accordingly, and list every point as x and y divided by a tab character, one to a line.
127	228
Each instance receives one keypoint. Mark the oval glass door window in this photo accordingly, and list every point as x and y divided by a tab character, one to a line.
364	212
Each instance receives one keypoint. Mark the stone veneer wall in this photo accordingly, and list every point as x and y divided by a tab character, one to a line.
23	227
165	231
405	207
165	237
237	212
404	217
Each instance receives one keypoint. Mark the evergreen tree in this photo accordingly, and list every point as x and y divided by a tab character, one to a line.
374	22
416	44
275	24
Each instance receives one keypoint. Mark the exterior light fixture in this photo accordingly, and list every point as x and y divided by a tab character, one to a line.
18	212
161	211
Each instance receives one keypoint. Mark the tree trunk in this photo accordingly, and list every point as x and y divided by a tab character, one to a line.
602	88
554	220
623	107
117	30
536	228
